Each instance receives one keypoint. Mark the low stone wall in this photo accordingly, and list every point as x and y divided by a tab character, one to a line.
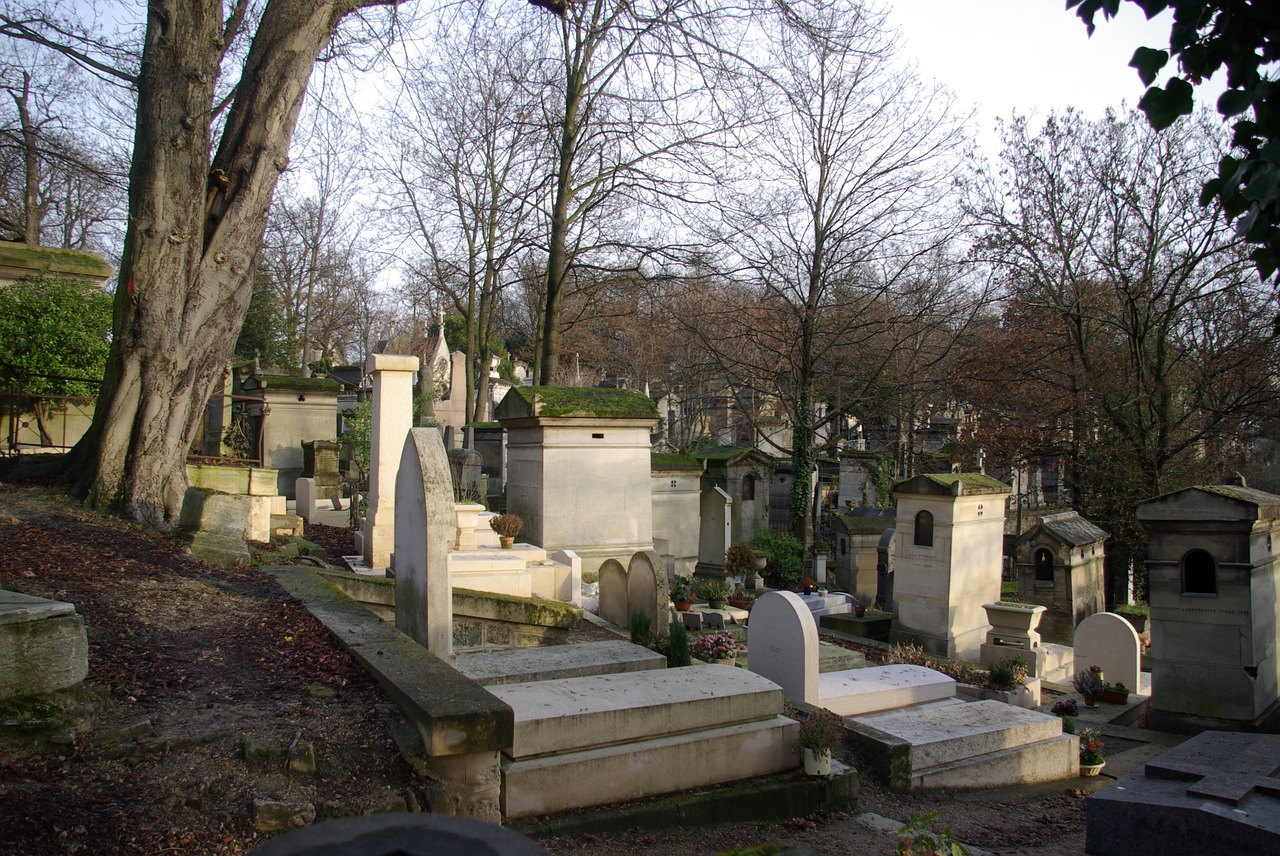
463	727
481	620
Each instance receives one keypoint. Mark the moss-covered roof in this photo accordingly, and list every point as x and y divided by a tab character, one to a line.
674	461
603	402
720	453
865	523
486	426
302	384
74	263
1240	494
972	483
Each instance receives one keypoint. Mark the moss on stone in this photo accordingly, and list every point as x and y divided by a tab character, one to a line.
601	402
54	260
301	384
673	461
973	482
720	453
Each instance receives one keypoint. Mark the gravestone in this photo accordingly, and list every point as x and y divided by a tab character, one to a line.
783	644
715	531
1108	640
692	621
43	643
647	590
221	523
392	419
425	528
613	593
304	490
465	465
320	462
1216	793
573	562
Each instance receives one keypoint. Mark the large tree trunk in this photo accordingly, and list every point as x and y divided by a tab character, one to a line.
193	238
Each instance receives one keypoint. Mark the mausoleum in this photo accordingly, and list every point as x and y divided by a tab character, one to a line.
1059	564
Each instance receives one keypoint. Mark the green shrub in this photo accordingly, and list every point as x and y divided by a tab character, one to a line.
641	629
678	653
784	551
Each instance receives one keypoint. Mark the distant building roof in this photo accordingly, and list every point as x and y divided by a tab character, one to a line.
1070	527
946	483
581	401
674	461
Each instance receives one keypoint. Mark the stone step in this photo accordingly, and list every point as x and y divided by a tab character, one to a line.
870	690
1042	761
657	765
554	662
1058	663
575	714
983	744
949	734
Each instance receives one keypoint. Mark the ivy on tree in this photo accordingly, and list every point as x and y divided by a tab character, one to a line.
1240	36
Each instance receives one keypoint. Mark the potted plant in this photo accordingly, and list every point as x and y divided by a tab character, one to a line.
682	593
820	733
1115	693
1091	760
508	527
714	592
1065	707
808	586
719	648
741	598
1089	685
1096	671
740	561
861	601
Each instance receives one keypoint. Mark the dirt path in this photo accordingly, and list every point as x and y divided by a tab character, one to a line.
200	658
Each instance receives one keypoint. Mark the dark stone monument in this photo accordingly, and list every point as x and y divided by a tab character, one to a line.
401	835
1216	793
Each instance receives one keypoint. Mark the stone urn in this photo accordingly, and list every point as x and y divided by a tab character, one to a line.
1011	620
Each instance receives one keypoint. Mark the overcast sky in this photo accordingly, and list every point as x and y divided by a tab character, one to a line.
1028	55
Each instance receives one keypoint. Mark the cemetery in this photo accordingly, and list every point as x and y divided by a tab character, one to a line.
648	429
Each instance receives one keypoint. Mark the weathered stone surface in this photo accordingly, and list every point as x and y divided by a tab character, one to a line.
302	758
1215	793
275	816
558	661
43	647
258	752
392	420
425	531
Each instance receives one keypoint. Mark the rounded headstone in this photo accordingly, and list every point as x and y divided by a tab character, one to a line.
401	835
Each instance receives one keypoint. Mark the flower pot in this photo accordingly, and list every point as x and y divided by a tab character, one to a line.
1115	696
817	762
741	604
1090	701
715	604
727	661
1091	769
859	611
683	605
506	541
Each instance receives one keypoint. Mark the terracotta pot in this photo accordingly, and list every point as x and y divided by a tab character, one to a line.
1090	701
741	604
859	611
506	541
683	605
1115	696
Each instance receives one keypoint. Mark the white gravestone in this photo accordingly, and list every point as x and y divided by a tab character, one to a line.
573	561
392	419
424	534
783	643
305	491
1108	640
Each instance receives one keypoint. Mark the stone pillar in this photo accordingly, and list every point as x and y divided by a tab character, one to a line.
392	419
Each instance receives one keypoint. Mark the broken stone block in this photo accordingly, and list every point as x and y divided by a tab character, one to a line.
44	645
275	816
302	758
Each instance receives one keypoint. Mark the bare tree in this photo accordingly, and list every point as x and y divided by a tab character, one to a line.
835	213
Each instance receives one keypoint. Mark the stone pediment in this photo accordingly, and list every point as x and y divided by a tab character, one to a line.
952	484
1212	502
595	403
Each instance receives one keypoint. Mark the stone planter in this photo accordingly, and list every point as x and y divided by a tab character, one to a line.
1115	696
817	762
727	661
1013	621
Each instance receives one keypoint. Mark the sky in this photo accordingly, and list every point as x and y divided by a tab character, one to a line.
1032	56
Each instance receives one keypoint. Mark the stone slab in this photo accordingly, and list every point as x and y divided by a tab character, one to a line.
514	583
581	713
945	735
558	661
861	691
1216	793
873	625
16	607
504	560
1043	761
658	765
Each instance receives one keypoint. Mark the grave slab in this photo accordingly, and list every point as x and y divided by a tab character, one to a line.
1218	792
43	646
575	714
659	765
558	661
859	691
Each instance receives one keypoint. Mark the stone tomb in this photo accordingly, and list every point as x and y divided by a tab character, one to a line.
948	545
392	419
1213	584
1059	563
1216	793
1108	640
